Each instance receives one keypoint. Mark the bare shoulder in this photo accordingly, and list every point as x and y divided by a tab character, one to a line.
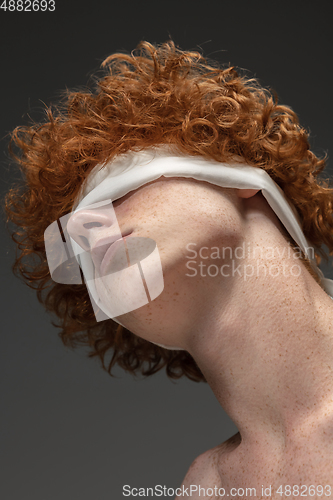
210	457
204	470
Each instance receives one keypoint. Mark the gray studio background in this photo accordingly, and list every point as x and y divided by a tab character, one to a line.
68	430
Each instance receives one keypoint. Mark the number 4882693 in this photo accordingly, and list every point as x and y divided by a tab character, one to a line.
28	5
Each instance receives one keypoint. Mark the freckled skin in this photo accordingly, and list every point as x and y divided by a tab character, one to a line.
157	211
264	343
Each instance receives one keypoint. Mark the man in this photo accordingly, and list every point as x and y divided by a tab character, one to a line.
259	330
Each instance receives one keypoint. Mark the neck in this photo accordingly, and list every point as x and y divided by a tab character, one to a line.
267	352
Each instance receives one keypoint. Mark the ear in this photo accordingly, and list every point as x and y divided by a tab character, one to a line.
247	193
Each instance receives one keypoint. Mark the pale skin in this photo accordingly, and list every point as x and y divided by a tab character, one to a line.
264	344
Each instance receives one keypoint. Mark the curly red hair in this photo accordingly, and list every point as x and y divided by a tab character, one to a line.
156	95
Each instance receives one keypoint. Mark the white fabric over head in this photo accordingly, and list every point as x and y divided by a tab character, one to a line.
135	169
